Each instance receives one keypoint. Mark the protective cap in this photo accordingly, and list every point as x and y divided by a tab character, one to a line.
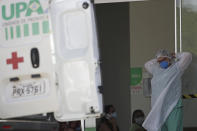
163	53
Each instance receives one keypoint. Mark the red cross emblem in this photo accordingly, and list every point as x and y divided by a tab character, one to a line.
15	60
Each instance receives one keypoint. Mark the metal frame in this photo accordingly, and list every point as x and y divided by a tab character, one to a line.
180	25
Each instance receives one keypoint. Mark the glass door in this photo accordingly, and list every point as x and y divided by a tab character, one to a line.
187	42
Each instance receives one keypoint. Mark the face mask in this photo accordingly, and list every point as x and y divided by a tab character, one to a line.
114	114
164	64
139	120
108	116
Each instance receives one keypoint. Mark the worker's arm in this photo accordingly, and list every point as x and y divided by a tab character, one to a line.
184	59
149	66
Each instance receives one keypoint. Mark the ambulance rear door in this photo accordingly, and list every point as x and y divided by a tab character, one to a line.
27	83
77	56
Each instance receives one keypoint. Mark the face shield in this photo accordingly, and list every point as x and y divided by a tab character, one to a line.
163	54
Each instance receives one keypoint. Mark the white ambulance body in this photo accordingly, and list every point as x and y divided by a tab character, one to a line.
36	78
27	76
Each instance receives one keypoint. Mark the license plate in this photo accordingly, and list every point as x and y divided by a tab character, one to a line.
34	88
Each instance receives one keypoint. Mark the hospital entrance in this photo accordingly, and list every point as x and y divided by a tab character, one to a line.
129	35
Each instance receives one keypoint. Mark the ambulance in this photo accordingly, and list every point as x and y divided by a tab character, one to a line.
49	59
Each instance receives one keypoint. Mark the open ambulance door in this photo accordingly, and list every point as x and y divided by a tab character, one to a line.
27	83
78	69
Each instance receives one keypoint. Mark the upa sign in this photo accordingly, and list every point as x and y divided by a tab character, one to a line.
23	20
16	9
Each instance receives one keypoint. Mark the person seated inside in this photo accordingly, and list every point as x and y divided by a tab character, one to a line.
137	120
108	120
